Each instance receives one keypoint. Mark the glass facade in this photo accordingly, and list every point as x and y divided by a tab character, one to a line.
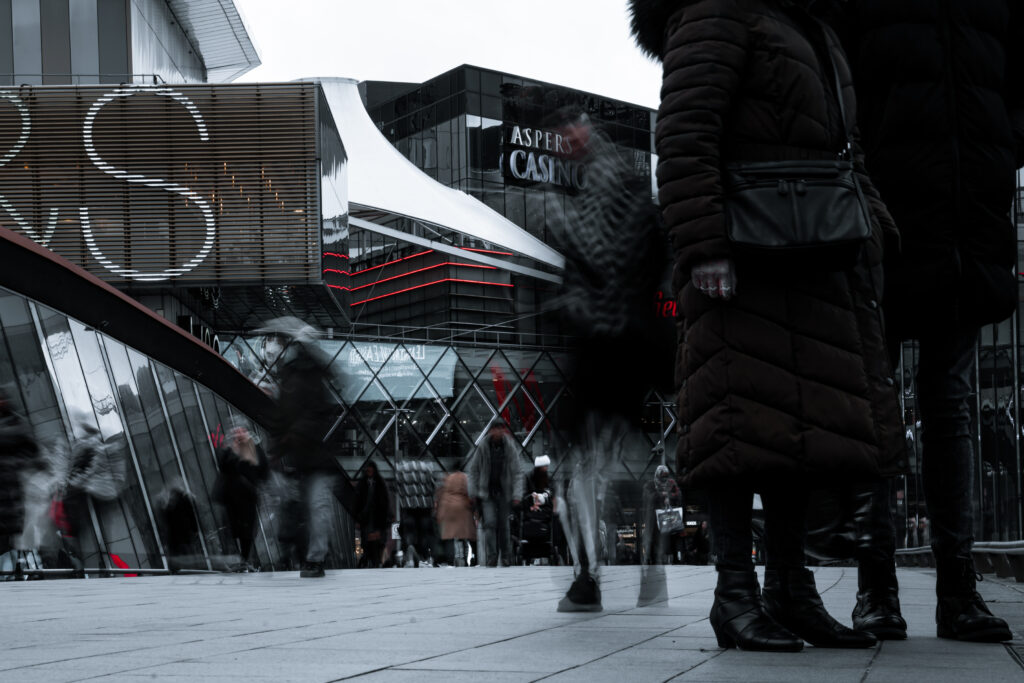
71	382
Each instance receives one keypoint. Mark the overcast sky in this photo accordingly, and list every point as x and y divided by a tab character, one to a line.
583	44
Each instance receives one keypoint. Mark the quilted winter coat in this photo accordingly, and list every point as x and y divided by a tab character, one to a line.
789	378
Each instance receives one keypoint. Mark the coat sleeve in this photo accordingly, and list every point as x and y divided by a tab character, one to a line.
472	473
705	53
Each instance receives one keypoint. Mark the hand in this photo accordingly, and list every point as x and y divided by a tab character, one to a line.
716	279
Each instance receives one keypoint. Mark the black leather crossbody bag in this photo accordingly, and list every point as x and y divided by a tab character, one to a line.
798	213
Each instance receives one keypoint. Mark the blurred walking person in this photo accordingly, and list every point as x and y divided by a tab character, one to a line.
416	486
495	482
304	411
941	90
455	517
19	456
243	469
373	514
785	378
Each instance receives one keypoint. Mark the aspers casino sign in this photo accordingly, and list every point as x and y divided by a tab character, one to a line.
534	155
195	183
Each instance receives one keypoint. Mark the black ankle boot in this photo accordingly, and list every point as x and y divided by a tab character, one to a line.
791	599
962	613
738	618
878	604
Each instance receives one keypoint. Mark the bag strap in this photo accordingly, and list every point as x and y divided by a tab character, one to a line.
847	151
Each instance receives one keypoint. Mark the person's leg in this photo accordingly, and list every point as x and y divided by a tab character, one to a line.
943	388
245	547
790	596
425	534
785	525
878	605
490	529
944	377
504	536
318	491
737	613
730	513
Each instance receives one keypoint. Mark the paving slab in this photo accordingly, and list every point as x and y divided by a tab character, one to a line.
467	624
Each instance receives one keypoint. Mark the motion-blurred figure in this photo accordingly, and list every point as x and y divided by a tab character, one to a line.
538	513
662	536
304	409
96	472
623	349
243	468
373	514
455	517
175	508
495	473
19	456
416	487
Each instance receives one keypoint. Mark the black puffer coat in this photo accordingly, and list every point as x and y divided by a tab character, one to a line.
789	377
941	91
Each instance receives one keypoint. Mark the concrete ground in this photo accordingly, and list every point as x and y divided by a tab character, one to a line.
451	625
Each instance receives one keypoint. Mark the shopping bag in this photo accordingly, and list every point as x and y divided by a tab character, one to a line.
670	520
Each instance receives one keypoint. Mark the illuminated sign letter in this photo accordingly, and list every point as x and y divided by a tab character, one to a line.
200	202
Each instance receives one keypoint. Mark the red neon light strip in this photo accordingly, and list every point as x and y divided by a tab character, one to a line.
435	282
339	287
488	251
331	253
420	270
406	258
335	270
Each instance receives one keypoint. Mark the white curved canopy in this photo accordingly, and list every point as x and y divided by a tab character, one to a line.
379	177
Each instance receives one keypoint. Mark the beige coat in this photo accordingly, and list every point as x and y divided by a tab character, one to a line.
454	509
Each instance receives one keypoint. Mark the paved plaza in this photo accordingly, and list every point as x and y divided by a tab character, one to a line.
452	625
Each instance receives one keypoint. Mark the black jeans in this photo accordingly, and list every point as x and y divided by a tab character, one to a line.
785	512
945	368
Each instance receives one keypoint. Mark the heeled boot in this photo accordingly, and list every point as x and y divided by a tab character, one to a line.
878	603
739	620
962	613
791	598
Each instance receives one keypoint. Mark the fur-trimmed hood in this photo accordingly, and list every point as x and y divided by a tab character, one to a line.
647	22
648	19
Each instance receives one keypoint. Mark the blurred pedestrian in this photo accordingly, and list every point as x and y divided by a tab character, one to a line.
373	514
416	487
941	91
243	469
19	457
785	379
623	349
455	517
495	483
662	533
304	412
538	512
176	513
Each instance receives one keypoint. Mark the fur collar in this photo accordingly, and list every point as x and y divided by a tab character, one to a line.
648	19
